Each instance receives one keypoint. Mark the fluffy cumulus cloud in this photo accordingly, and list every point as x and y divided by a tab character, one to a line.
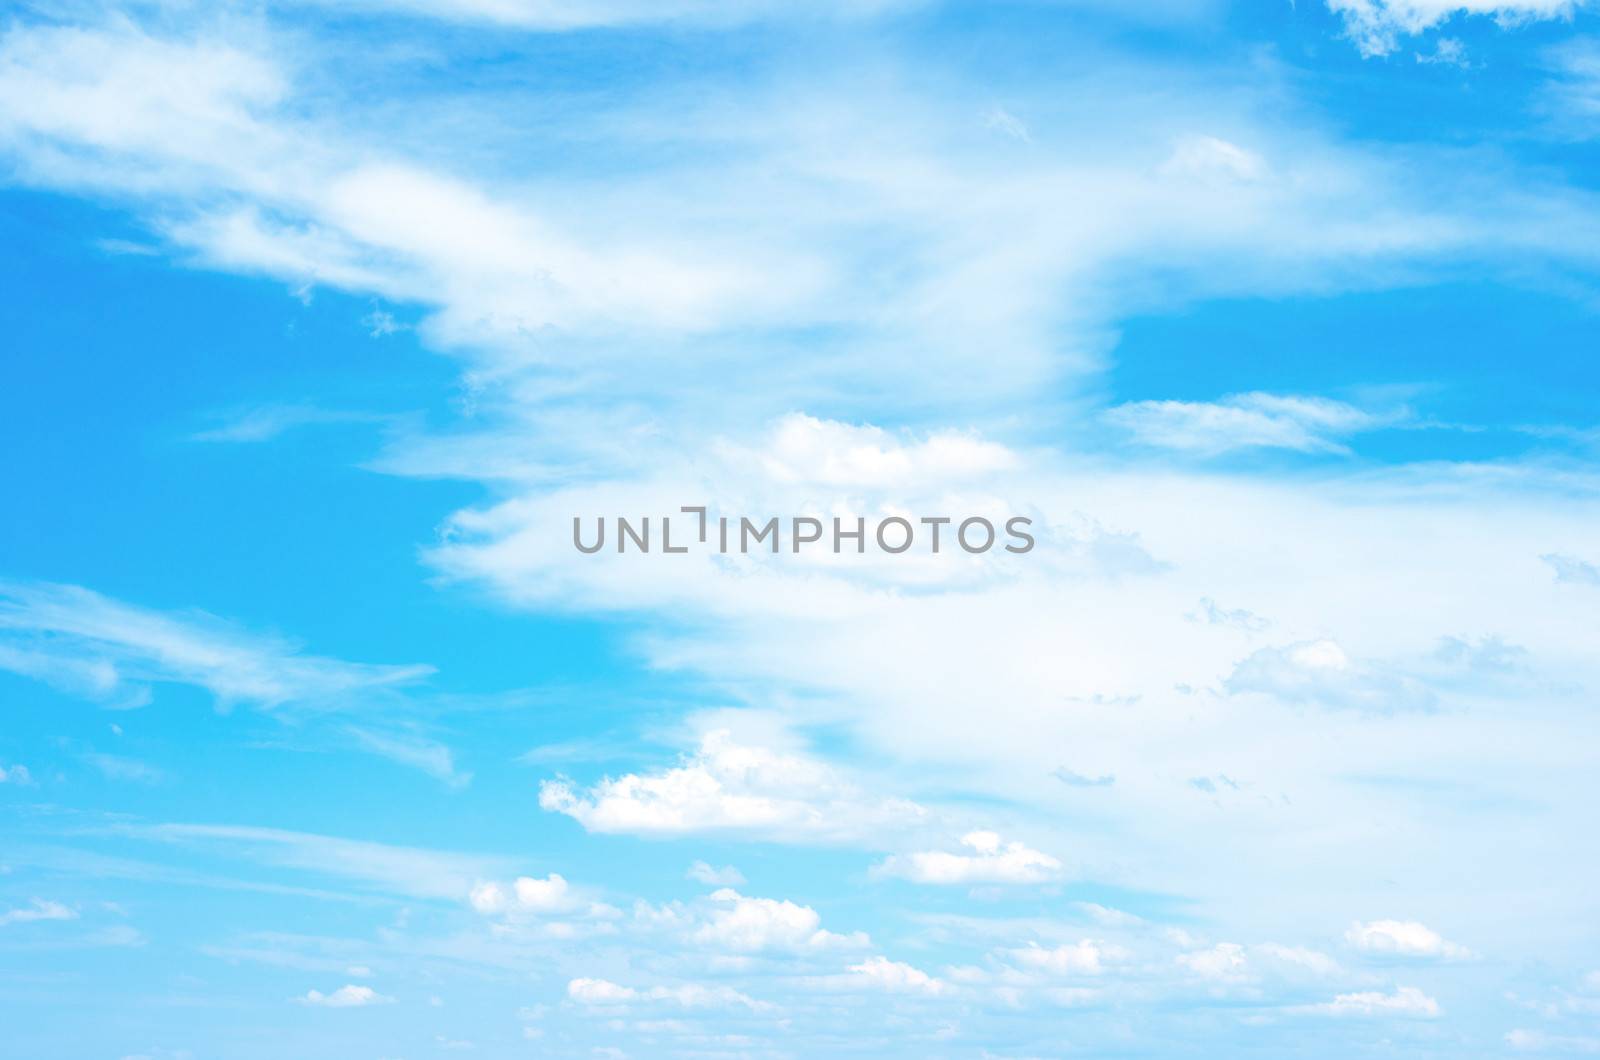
987	859
1402	938
726	786
529	893
16	774
895	977
742	924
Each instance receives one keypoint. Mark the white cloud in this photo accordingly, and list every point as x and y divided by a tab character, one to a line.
1405	1001
1406	938
526	893
983	680
587	991
211	136
1086	957
1248	421
347	996
990	861
727	876
1226	962
17	774
118	767
1531	1041
895	977
1377	25
568	15
1447	51
418	752
742	924
37	909
267	422
599	992
412	871
1209	157
727	786
1571	569
90	643
804	449
561	909
1296	958
1322	672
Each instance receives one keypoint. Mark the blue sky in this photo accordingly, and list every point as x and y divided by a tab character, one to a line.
322	322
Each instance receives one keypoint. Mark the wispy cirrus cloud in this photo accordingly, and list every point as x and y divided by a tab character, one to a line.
36	910
264	423
382	867
115	651
1249	421
118	654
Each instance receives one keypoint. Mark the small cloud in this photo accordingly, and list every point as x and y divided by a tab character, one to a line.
530	894
1225	962
380	323
1106	915
990	861
1086	957
1526	1041
1214	785
587	991
17	775
1209	157
1405	1001
1404	938
1214	615
1249	421
1083	780
1003	121
726	786
1320	672
347	996
1572	570
1447	52
599	992
894	977
727	876
747	925
267	422
115	767
418	752
37	909
127	248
